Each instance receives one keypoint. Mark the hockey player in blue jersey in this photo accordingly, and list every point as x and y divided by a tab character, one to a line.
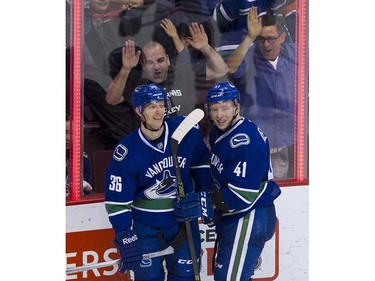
240	166
141	191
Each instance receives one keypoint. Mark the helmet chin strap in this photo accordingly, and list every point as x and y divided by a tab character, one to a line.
234	116
148	128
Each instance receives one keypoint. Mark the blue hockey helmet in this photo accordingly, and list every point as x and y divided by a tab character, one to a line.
221	92
148	93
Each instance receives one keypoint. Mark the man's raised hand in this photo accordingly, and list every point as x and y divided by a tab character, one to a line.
130	57
254	23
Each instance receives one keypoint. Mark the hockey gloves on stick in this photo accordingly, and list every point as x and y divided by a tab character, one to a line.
188	208
193	206
127	245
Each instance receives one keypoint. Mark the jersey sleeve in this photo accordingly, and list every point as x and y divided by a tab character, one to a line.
120	186
225	12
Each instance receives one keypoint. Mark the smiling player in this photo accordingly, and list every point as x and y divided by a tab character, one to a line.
141	190
240	166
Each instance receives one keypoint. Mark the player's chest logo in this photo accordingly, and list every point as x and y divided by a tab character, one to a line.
239	139
166	188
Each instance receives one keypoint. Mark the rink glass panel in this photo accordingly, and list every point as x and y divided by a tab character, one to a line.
88	48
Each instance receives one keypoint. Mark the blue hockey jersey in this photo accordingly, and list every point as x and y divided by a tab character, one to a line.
231	16
241	169
140	182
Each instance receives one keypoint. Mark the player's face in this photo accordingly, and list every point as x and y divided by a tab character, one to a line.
155	64
222	114
154	114
270	51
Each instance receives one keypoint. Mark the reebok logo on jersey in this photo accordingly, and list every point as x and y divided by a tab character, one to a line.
239	139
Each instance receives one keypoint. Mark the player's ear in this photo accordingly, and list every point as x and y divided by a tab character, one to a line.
237	110
139	114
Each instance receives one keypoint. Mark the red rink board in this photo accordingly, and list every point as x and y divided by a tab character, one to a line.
94	246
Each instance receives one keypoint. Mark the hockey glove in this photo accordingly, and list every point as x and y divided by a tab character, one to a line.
207	208
188	208
127	245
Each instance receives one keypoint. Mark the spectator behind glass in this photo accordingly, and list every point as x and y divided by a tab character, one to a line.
189	63
156	69
288	11
264	75
97	12
179	11
110	24
231	17
116	121
86	185
101	11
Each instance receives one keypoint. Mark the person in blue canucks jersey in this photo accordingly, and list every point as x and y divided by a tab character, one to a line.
141	190
245	215
231	17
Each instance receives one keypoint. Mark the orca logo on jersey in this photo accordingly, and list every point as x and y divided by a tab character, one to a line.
239	139
120	152
166	188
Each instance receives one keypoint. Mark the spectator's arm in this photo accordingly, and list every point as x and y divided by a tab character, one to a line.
116	88
254	28
130	59
171	31
216	66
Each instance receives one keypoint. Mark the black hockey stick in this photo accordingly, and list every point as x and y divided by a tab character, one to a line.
186	125
167	251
